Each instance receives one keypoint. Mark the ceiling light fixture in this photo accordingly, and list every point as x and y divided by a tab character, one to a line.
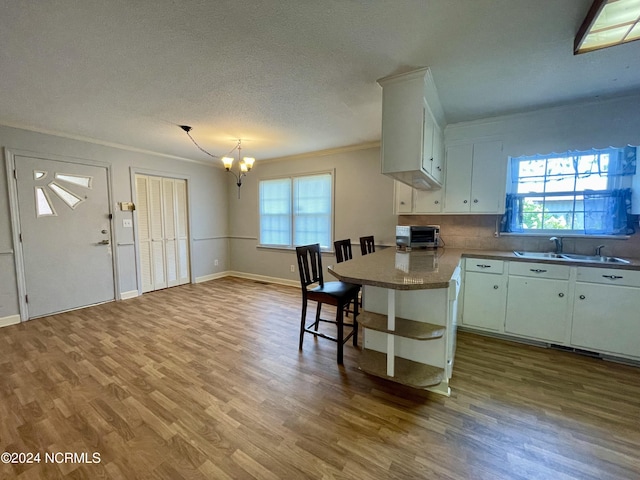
608	23
244	165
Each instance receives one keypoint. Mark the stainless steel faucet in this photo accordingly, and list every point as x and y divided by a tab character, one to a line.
599	250
558	241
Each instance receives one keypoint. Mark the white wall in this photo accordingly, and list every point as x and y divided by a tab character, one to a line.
363	206
208	194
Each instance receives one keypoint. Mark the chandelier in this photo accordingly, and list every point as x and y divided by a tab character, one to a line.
245	164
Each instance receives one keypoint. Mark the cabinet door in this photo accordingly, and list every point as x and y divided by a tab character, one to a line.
403	198
596	327
427	201
402	125
538	308
437	169
488	180
428	125
458	178
485	299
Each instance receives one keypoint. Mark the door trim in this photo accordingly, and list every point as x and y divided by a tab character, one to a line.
133	171
18	256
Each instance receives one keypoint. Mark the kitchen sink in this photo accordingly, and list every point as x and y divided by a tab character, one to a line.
571	256
593	258
537	255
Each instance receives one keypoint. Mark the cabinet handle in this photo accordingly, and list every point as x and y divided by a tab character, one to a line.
436	202
537	270
613	277
582	297
475	200
495	287
401	203
561	295
466	201
482	265
439	168
431	159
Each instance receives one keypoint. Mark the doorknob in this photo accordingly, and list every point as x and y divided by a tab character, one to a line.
104	232
103	242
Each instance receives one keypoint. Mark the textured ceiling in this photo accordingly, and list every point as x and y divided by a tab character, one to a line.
286	76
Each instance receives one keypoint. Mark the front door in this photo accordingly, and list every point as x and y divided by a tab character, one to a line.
66	234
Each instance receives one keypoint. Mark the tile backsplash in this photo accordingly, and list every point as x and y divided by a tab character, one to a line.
479	232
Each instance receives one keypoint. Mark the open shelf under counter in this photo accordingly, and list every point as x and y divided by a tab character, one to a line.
404	328
407	372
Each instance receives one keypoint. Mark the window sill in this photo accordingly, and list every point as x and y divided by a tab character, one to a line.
288	249
566	235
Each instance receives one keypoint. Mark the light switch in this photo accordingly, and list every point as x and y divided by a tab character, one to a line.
127	223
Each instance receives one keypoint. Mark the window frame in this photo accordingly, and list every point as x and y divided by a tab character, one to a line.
292	216
613	181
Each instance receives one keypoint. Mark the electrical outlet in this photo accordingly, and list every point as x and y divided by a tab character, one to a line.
215	262
127	222
293	268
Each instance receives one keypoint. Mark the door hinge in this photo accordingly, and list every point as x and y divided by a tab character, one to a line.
15	174
26	298
20	237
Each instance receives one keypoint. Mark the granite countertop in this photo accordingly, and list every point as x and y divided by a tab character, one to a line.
425	269
388	268
634	263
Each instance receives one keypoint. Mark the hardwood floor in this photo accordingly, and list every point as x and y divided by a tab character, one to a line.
206	382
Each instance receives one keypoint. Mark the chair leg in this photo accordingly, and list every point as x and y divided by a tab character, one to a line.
302	321
317	316
355	322
340	322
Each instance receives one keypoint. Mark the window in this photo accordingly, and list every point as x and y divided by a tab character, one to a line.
571	193
297	210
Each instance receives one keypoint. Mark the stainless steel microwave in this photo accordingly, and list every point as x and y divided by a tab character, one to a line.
417	236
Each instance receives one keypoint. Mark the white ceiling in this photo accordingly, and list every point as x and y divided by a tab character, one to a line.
286	76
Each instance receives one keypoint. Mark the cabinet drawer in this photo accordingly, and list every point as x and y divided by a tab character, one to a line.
484	265
542	270
609	276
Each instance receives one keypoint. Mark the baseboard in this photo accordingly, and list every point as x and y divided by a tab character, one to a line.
248	276
10	320
265	279
212	276
501	336
128	295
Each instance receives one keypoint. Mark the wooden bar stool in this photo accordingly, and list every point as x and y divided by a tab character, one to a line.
336	293
367	245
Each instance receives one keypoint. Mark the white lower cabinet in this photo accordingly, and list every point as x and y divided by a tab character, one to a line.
485	294
538	301
537	308
589	308
606	314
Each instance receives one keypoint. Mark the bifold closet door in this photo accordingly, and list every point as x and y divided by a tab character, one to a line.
163	231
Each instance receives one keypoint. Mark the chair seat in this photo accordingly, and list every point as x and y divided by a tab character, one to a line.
337	289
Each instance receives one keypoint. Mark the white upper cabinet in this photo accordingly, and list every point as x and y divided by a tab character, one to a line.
404	198
412	201
476	178
437	155
410	128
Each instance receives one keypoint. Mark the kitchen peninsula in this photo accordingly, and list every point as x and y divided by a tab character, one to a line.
409	318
